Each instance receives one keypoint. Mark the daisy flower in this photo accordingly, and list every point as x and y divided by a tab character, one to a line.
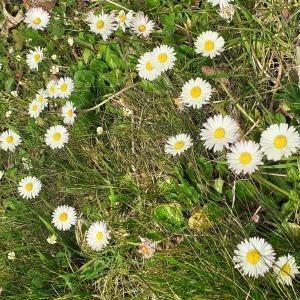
196	92
68	113
52	89
141	25
219	2
146	248
9	140
64	217
124	20
285	269
178	144
254	257
42	96
29	187
209	43
56	137
102	24
37	18
97	236
164	57
65	86
279	140
34	57
245	157
34	109
147	68
218	132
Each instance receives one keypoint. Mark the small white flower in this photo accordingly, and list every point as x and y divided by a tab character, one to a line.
254	257
68	113
279	140
65	87
70	41
99	130
97	236
11	255
54	57
42	96
285	269
209	43
146	248
147	68
176	145
34	57
64	217
56	137
52	89
141	25
37	18
124	20
54	70
218	132
34	109
164	57
18	57
14	93
196	92
1	174
219	2
245	157
52	239
102	24
9	140
8	113
227	12
29	187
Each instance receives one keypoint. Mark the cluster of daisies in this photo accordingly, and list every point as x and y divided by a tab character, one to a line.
254	257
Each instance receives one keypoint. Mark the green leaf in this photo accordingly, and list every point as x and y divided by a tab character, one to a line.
84	78
169	215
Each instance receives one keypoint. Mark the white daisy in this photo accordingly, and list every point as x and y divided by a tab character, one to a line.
68	113
178	144
245	157
52	89
209	43
64	217
29	187
254	257
56	137
147	68
279	140
218	132
102	24
9	140
219	2
124	20
65	87
37	18
164	57
34	109
34	57
285	269
196	92
42	96
98	236
141	25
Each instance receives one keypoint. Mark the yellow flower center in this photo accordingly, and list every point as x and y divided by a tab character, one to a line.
245	158
70	113
146	250
280	141
219	133
56	136
196	92
285	270
63	217
142	28
28	187
149	66
162	57
122	18
9	139
99	236
37	21
209	45
52	89
64	87
37	57
41	98
179	145
35	107
253	257
100	24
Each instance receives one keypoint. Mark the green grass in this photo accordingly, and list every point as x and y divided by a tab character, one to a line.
123	176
